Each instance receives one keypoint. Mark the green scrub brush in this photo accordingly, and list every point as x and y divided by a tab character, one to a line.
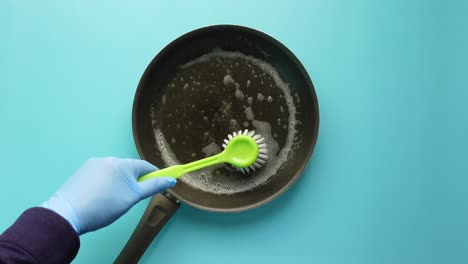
246	151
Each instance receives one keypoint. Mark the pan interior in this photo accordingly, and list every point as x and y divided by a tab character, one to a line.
212	96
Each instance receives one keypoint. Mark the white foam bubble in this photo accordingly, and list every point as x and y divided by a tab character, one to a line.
260	97
249	113
270	99
239	94
228	80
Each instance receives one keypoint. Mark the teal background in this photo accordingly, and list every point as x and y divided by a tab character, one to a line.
387	182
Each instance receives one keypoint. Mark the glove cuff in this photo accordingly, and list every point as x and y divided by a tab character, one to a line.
63	208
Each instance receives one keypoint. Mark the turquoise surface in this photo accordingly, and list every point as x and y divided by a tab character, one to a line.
387	182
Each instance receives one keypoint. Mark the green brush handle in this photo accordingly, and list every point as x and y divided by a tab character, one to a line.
178	170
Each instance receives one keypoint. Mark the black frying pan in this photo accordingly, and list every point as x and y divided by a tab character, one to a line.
186	102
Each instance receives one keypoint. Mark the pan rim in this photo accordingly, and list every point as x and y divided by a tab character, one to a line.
301	69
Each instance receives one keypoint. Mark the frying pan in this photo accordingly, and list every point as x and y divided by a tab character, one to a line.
188	119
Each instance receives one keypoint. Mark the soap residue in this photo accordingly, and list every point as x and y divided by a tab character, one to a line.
228	80
249	113
239	94
203	179
260	97
211	149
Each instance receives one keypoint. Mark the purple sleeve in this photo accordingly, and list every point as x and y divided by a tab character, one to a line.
39	235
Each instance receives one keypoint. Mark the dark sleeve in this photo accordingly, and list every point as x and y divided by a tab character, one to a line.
39	235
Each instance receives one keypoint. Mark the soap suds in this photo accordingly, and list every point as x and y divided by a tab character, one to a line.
228	80
203	179
249	113
239	94
260	97
211	149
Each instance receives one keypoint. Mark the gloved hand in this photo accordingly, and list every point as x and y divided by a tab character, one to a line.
102	190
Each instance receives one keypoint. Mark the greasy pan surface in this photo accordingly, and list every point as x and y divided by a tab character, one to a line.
193	107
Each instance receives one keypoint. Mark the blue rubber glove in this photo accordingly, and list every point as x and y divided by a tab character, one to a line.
102	190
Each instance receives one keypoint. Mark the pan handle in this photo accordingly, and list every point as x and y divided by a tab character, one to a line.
159	211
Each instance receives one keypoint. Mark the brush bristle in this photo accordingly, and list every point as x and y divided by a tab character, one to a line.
262	149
